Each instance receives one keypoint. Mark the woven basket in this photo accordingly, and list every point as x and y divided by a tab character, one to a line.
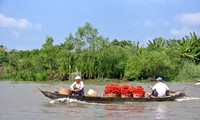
111	95
126	96
138	95
63	91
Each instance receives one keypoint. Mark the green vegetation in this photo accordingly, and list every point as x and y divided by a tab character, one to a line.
99	59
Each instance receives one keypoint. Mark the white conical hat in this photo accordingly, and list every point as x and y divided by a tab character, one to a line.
77	78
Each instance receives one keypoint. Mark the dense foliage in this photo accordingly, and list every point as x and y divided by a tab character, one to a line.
94	56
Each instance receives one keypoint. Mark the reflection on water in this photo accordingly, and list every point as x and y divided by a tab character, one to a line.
124	110
161	111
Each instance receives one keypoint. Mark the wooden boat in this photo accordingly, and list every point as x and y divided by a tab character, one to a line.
98	99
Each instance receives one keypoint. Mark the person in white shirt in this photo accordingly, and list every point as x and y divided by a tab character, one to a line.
160	89
77	88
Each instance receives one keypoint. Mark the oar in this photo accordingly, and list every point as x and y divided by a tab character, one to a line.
183	89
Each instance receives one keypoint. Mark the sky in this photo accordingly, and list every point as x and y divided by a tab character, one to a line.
25	24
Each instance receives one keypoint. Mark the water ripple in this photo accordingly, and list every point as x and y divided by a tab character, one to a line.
188	99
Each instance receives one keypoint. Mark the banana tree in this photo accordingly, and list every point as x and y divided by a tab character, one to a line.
188	47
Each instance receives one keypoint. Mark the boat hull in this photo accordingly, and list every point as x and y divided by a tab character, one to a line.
53	96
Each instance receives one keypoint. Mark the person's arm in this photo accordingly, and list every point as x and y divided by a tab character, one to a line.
81	85
167	87
72	86
167	90
151	90
154	87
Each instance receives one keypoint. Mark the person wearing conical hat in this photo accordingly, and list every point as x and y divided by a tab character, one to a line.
77	88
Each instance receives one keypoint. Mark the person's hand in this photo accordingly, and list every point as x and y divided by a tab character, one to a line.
76	90
149	94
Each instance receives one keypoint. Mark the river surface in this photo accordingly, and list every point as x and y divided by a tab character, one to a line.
23	101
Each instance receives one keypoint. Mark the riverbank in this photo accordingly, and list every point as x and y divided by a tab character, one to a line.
103	81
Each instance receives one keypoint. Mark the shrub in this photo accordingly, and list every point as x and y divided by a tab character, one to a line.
148	64
189	70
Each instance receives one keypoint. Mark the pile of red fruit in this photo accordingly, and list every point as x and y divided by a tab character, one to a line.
112	89
123	90
139	90
126	89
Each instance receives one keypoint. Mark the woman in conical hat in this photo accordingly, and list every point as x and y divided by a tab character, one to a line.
77	88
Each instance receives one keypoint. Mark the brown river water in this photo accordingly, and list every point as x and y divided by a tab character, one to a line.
23	101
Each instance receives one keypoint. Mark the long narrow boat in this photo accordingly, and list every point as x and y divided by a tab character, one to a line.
171	97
